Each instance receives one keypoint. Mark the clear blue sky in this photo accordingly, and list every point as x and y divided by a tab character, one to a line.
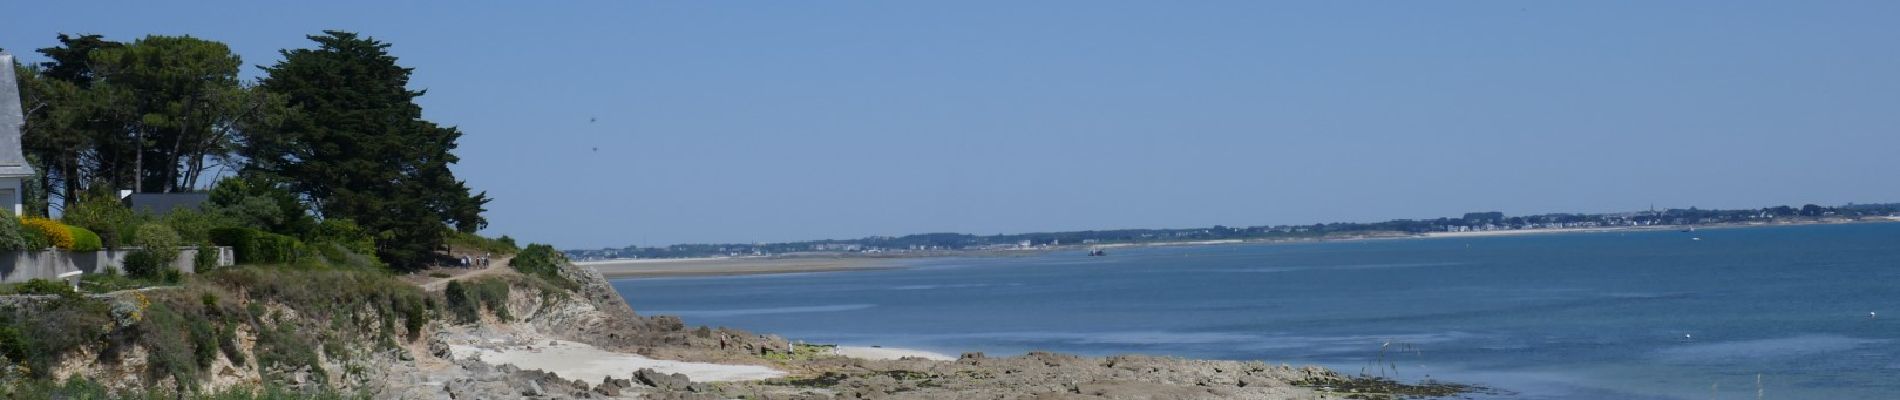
775	121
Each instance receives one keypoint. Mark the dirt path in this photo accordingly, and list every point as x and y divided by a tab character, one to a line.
497	266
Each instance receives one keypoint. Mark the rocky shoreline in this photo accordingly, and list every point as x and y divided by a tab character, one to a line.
599	318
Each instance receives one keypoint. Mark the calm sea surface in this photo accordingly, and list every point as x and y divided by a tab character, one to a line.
1639	315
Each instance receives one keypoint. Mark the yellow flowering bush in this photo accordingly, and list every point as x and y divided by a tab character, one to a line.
55	233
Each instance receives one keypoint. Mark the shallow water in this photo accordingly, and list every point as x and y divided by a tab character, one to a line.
1562	316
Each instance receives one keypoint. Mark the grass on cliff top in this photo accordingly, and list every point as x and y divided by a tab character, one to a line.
300	316
464	241
84	389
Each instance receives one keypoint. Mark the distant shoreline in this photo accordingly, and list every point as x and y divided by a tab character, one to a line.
728	266
760	265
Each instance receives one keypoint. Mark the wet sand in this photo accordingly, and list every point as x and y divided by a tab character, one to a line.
650	268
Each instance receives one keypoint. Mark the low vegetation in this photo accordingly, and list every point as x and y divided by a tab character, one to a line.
467	299
466	241
87	389
543	262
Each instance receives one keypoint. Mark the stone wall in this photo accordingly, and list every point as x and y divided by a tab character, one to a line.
21	266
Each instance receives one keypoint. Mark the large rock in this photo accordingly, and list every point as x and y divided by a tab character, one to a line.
674	381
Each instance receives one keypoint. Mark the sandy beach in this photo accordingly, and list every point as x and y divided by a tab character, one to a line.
575	360
889	353
646	268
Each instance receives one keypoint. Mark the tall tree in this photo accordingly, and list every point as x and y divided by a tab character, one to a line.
71	130
355	145
185	97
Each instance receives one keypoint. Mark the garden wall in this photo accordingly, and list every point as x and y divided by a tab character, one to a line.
21	266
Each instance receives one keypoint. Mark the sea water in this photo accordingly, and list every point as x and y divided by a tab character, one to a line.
1636	315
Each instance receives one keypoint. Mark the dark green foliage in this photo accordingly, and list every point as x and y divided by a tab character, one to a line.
84	239
109	281
360	149
180	346
543	262
79	388
195	225
349	237
158	239
66	119
352	306
101	212
35	241
12	235
40	335
183	92
336	255
465	307
466	300
43	286
465	241
260	202
206	258
141	264
258	247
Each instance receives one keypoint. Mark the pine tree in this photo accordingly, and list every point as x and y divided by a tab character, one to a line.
355	145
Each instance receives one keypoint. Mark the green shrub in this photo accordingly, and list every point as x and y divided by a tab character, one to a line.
101	212
143	264
35	241
464	241
206	258
258	247
158	239
338	255
345	232
85	240
262	202
12	237
43	286
543	262
466	300
194	225
41	335
55	233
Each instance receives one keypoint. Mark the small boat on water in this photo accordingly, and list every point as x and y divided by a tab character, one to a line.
1097	253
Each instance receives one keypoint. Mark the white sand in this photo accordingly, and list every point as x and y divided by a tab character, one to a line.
574	360
889	353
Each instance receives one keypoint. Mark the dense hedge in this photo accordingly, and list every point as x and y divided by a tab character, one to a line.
55	233
258	247
85	240
12	235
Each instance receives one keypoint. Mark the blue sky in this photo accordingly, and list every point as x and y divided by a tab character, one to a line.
775	121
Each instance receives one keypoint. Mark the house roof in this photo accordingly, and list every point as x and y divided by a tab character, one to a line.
12	118
165	203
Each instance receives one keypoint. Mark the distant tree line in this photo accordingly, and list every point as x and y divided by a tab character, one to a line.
335	125
1484	220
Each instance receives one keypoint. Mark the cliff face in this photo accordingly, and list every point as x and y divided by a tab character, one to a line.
596	314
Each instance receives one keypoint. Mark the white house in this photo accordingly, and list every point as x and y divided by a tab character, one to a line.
13	169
